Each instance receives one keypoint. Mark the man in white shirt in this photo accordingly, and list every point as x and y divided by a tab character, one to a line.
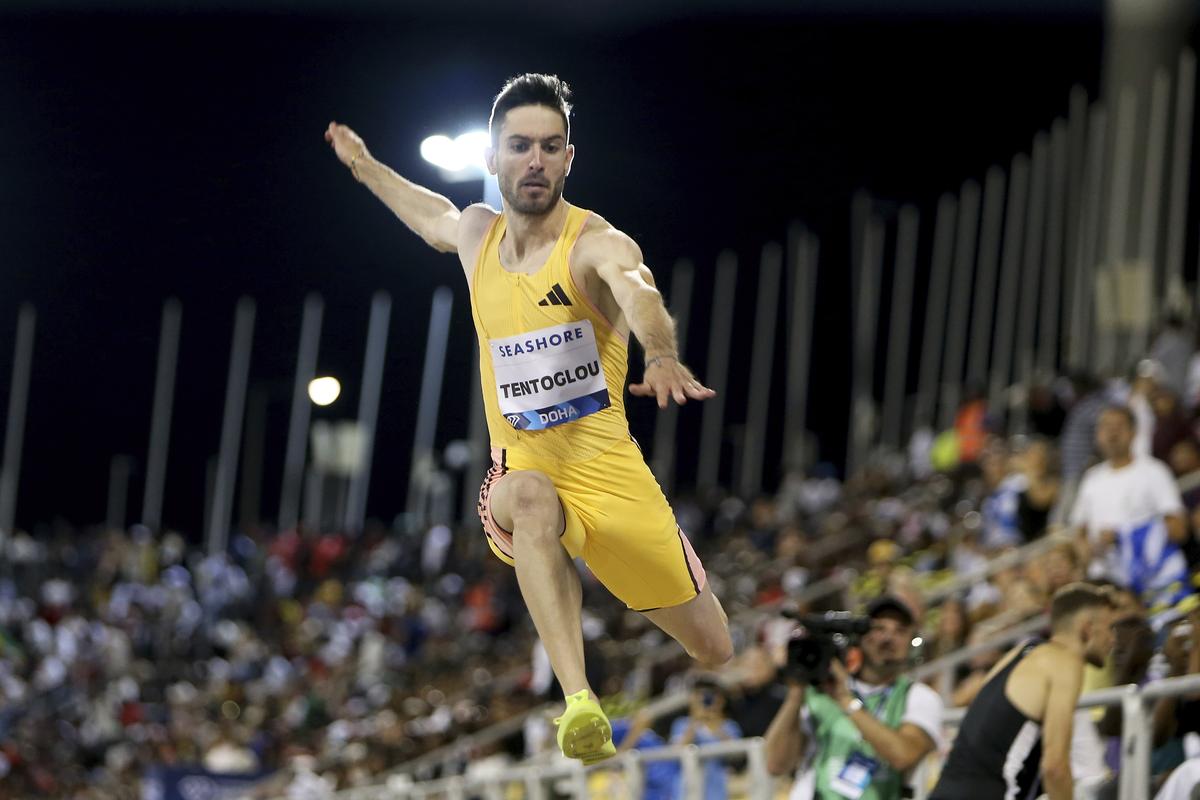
1122	491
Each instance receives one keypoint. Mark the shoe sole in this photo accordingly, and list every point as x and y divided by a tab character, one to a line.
586	738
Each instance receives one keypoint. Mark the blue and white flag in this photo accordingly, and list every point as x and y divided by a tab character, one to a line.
1151	564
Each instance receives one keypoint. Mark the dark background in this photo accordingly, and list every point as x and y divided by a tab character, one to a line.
149	153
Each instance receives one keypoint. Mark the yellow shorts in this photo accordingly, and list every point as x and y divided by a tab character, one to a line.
617	520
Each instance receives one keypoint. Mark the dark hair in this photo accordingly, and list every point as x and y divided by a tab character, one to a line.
531	89
1075	597
709	685
1124	411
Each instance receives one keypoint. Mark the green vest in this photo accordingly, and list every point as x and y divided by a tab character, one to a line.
837	738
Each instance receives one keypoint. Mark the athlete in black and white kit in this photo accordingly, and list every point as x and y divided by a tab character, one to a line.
1016	736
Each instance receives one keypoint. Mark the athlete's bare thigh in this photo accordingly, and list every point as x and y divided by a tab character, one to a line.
700	625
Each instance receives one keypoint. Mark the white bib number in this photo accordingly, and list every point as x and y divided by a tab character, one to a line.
549	376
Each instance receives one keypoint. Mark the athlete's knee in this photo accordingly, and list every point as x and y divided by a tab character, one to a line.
714	649
532	499
531	492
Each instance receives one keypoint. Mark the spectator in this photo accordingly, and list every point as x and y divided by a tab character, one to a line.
1046	412
1001	524
635	733
1133	647
953	628
868	730
227	755
1123	490
1023	490
1171	424
1058	567
1172	348
997	752
1078	440
706	723
1174	717
1036	465
970	424
1184	459
1144	383
759	694
1185	463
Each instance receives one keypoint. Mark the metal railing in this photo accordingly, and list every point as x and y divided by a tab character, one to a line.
1136	734
942	670
1134	778
462	749
629	766
1007	560
666	704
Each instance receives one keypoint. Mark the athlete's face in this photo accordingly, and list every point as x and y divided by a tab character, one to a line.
532	159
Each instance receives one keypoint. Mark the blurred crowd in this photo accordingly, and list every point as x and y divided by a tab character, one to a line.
327	659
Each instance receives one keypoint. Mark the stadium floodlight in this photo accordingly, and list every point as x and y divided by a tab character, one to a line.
323	391
460	158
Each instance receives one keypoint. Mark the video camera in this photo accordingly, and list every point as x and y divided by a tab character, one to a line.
820	638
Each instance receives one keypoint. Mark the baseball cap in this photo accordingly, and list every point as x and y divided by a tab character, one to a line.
891	603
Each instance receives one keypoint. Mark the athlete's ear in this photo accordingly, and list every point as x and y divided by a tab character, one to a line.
570	158
489	158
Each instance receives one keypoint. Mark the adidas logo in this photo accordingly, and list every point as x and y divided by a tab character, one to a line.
555	297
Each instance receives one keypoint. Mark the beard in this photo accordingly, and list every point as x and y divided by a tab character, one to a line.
532	206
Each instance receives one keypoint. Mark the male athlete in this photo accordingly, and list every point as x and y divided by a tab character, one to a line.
1018	729
555	293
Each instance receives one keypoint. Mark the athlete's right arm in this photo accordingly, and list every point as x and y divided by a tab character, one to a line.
1062	695
785	740
426	213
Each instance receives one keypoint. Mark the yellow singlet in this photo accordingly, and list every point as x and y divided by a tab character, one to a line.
517	312
553	370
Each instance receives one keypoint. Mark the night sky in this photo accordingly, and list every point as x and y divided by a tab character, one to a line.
147	155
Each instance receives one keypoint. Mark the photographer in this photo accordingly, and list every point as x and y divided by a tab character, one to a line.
864	732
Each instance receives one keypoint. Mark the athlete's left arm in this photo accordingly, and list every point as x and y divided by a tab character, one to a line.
617	260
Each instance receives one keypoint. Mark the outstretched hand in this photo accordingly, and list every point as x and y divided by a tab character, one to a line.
346	143
670	379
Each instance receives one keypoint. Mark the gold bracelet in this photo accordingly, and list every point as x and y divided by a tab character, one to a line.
657	360
354	166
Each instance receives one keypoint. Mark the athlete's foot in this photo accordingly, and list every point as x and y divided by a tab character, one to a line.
584	731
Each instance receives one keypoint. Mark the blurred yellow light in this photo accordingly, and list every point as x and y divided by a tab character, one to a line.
324	391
